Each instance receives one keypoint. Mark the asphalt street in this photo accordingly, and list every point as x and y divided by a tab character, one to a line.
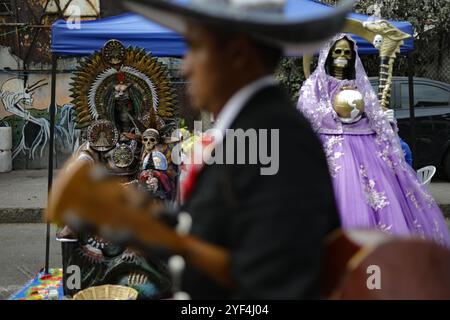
22	254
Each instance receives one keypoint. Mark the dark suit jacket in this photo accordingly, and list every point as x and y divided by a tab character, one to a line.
273	226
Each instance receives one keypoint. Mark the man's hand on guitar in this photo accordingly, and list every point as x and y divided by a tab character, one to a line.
87	194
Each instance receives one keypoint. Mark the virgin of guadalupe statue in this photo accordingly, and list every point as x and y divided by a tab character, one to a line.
111	91
123	106
374	187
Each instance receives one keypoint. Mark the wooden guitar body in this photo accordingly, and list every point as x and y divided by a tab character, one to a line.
370	265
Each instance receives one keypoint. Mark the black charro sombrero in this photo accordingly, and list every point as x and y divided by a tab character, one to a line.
290	24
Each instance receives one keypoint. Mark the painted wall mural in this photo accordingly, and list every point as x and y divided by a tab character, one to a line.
25	45
24	103
24	107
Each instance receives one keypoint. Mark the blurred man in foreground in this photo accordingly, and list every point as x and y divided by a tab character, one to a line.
255	233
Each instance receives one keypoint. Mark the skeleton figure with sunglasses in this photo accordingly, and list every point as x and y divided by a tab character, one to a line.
150	139
157	174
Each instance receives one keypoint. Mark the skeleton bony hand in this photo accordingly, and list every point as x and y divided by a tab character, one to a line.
152	184
390	115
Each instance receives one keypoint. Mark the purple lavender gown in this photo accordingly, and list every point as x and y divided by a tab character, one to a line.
374	187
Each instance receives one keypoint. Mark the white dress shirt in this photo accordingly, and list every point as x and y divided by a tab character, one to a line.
235	104
228	114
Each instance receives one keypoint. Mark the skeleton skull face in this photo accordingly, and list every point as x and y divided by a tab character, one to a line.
150	139
152	184
121	91
378	41
342	53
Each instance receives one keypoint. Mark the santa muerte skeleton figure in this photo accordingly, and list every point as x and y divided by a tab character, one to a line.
122	96
374	187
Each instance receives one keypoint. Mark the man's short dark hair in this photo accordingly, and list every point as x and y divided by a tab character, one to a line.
270	54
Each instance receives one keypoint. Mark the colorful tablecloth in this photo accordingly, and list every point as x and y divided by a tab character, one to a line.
40	287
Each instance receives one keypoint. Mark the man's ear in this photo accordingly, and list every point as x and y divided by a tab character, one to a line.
240	51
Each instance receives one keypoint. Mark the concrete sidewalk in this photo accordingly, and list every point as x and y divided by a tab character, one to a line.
23	194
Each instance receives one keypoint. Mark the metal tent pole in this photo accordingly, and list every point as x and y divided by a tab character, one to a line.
52	111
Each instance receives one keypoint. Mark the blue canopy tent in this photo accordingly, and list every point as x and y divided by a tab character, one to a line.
71	40
135	30
131	29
